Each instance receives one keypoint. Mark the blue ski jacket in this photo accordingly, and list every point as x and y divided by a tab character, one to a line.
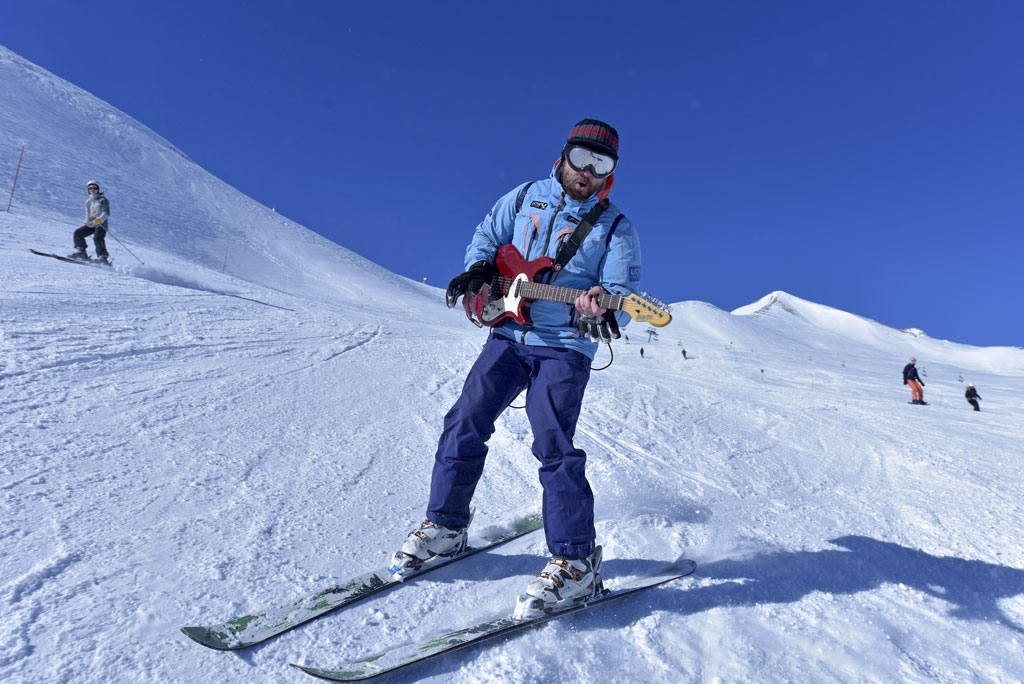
547	216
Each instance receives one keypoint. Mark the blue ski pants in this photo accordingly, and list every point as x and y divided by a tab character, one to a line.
556	379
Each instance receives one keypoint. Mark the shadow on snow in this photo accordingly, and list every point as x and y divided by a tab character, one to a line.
973	588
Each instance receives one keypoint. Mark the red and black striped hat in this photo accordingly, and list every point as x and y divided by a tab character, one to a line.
596	135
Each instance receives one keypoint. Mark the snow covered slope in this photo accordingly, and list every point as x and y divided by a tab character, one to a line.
180	442
160	200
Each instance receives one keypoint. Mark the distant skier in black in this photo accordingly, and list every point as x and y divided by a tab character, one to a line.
641	352
972	397
684	354
913	380
97	211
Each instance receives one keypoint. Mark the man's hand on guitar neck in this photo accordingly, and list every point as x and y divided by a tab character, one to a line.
586	303
596	322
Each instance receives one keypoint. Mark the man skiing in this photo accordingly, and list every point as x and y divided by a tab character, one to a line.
973	397
550	357
913	380
97	211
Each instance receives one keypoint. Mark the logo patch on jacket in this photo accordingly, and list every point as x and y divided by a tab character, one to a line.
573	220
537	204
634	274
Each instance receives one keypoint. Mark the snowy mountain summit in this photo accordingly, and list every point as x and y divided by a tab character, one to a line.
240	413
782	303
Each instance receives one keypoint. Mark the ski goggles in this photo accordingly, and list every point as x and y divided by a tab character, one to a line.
585	159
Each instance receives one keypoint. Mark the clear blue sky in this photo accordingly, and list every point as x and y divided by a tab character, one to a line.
864	155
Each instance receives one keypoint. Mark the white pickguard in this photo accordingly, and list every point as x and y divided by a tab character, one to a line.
509	303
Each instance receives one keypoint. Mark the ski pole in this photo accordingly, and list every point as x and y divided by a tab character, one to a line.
125	248
15	183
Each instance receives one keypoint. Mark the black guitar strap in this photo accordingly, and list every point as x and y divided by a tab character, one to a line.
569	247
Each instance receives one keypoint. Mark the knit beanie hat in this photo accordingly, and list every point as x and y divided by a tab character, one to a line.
595	135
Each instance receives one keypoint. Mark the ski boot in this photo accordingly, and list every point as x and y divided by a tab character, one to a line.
428	541
79	254
563	582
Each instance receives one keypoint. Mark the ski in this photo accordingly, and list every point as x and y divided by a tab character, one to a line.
248	630
398	658
84	262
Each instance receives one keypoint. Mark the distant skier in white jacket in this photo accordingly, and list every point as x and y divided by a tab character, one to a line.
97	212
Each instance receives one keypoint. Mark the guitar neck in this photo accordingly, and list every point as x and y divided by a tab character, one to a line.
565	295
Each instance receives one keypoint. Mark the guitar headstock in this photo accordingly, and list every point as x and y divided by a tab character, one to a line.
645	309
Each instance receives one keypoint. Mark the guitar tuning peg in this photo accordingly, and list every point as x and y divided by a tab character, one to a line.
654	300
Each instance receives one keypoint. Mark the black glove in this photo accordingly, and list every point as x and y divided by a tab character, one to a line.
603	329
921	382
471	281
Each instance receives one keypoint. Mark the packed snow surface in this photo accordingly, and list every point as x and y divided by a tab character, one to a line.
240	413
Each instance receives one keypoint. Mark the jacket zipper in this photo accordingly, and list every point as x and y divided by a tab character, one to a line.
547	243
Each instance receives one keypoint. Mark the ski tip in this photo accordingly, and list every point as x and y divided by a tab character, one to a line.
200	635
681	567
68	258
209	638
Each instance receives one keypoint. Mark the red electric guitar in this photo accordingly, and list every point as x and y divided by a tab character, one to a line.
509	295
